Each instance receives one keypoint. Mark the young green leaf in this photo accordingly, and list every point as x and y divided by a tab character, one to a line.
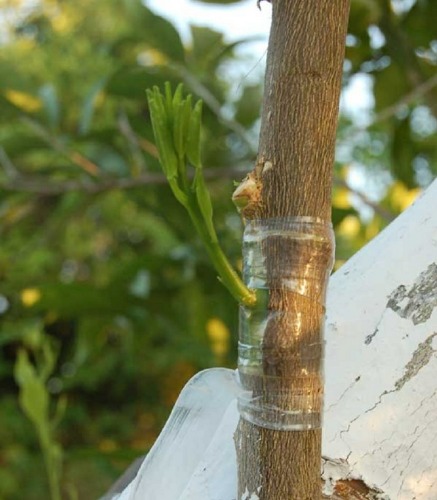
33	396
179	131
176	126
193	142
61	406
187	113
34	400
48	361
204	203
163	136
168	101
177	98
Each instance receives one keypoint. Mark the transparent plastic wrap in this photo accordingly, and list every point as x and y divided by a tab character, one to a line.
280	354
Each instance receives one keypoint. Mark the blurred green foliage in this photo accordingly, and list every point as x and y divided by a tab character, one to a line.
96	255
34	399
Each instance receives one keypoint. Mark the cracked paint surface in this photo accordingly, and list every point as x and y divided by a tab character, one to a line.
381	405
386	439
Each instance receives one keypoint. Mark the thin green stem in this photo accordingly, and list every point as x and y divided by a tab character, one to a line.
227	274
51	464
229	277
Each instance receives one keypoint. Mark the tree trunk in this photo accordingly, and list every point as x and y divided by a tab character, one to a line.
293	177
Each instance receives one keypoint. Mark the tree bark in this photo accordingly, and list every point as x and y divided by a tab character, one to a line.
293	177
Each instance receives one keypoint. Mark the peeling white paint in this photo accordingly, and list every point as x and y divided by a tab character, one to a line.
247	496
420	358
332	472
381	386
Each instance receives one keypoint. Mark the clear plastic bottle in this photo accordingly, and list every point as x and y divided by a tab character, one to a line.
280	354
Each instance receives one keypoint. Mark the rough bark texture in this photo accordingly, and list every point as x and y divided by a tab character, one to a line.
293	176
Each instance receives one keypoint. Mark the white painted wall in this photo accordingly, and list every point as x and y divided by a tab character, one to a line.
381	369
381	383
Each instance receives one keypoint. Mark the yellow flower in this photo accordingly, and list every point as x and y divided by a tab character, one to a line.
219	336
349	227
402	197
30	296
26	102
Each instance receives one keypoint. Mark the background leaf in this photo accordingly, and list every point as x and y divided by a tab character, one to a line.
155	30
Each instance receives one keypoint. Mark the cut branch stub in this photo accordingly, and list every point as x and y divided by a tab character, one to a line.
247	196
